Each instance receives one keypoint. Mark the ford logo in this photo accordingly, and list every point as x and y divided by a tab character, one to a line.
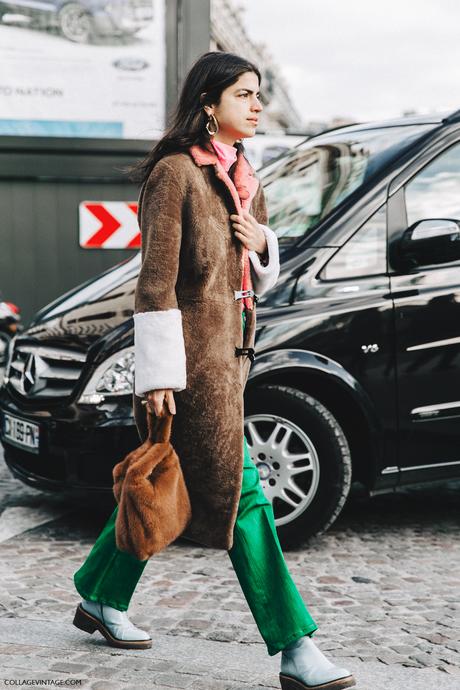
130	64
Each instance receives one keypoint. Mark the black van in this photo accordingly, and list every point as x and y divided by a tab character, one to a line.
357	369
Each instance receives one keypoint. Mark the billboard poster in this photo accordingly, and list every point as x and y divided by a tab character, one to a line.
90	68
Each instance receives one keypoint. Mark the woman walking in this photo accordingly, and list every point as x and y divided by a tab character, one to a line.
207	253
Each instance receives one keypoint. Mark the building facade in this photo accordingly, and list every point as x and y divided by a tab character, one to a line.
228	33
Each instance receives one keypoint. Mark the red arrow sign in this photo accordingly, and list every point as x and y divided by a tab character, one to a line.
117	226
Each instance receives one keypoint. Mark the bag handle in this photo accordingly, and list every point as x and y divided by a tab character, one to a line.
159	426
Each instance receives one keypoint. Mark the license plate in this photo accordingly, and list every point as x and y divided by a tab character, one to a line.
21	433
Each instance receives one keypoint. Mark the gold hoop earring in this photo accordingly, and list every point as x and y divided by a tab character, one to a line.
212	120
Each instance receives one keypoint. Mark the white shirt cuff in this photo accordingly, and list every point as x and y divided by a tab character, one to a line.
265	277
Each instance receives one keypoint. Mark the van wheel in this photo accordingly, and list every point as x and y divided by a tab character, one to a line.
75	23
303	459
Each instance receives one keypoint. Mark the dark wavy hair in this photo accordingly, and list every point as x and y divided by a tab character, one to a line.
209	75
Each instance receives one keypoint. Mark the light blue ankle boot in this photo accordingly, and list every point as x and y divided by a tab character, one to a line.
304	667
114	625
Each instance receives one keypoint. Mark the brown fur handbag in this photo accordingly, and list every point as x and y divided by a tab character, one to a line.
153	502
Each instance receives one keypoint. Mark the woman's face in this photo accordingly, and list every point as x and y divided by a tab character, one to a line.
238	111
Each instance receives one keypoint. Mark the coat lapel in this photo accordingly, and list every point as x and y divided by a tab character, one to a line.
242	190
244	185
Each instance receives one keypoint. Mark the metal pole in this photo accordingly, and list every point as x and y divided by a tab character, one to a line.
188	31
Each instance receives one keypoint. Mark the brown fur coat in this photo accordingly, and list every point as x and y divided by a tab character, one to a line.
188	323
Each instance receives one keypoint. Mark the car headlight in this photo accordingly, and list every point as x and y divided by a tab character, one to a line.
115	376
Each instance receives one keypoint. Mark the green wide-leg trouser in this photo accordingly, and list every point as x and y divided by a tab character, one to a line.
110	576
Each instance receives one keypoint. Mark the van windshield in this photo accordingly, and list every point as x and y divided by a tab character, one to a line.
303	187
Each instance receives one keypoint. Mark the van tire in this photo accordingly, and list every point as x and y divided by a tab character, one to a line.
332	450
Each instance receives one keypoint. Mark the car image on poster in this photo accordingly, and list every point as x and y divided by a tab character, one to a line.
121	45
81	21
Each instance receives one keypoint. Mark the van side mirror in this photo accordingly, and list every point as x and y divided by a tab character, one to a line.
430	241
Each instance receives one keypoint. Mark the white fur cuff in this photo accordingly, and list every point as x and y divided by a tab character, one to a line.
159	351
265	277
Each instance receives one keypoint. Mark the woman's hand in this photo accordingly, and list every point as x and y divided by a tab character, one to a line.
248	230
155	401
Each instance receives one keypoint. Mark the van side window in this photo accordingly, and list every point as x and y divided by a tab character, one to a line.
364	254
435	191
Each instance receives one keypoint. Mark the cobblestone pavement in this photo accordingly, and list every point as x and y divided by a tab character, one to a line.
382	584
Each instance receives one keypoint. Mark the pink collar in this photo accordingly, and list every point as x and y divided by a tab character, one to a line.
244	179
225	152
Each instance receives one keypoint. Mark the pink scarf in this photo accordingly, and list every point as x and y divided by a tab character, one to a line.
227	155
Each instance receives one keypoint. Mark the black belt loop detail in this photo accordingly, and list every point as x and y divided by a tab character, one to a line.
249	351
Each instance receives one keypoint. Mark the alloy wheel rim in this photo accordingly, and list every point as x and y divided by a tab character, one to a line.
75	23
287	462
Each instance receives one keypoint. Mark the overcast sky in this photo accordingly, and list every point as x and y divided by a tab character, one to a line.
362	60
